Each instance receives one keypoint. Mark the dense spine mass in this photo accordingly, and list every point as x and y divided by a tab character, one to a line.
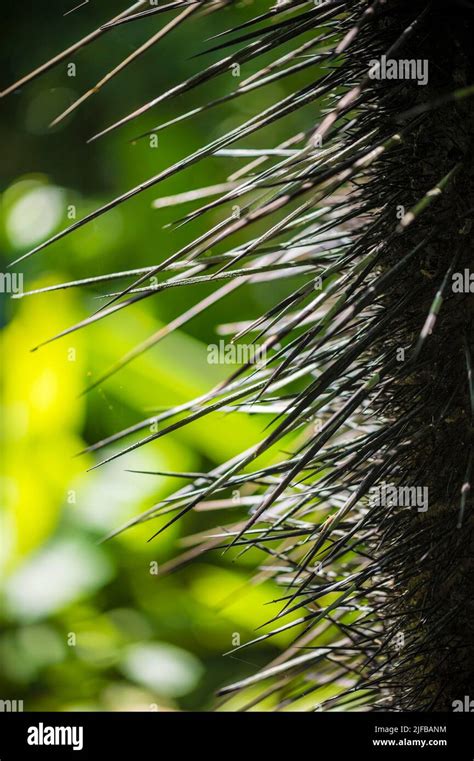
365	364
427	557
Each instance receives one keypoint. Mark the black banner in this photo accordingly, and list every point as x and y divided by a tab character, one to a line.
137	735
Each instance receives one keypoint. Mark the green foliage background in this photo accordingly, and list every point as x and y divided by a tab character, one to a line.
86	625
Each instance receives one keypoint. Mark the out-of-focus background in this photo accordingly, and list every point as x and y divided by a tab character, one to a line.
90	625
